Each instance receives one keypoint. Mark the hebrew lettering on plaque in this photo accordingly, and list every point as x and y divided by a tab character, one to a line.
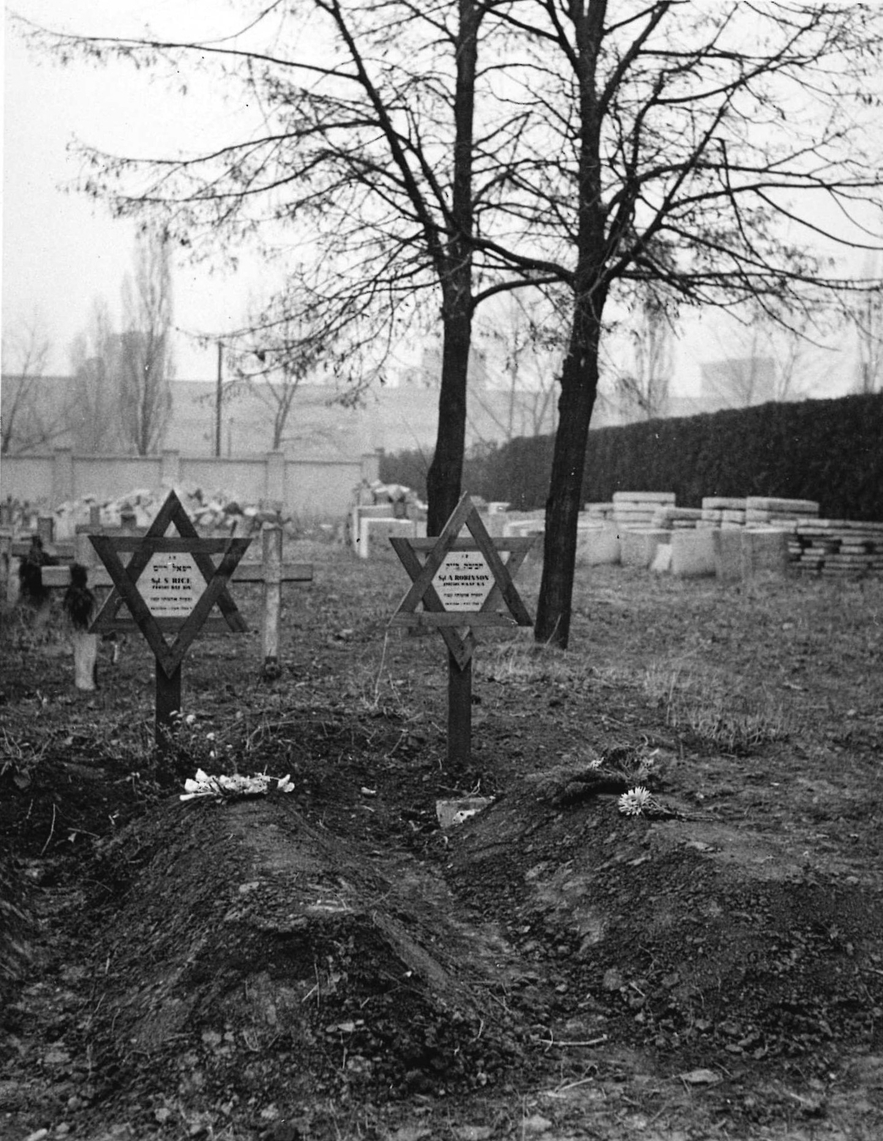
463	581
171	585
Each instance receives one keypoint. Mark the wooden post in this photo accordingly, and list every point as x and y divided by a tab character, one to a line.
459	713
85	658
168	703
169	601
219	397
272	568
461	584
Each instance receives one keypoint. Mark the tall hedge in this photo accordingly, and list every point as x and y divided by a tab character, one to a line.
827	450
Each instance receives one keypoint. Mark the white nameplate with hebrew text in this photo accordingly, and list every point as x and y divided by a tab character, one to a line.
463	581
171	585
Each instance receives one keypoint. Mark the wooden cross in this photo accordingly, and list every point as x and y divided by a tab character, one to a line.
271	572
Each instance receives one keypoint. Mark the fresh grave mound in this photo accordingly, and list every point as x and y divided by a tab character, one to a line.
255	960
681	932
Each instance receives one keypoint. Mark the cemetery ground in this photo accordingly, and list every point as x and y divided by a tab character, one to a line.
332	963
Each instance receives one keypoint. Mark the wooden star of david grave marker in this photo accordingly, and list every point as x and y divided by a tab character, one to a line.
461	584
169	585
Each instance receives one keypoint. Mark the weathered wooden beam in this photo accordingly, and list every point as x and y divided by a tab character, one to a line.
58	578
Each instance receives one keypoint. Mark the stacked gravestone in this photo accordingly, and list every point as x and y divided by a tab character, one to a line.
838	547
783	514
634	514
670	518
601	511
722	512
597	542
778	512
638	508
638	545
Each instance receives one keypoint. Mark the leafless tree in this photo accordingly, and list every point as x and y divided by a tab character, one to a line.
524	337
273	368
697	143
94	353
773	358
642	382
866	313
387	147
145	356
601	147
31	417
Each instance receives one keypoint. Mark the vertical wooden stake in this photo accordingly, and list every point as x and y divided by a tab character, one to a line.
85	658
459	713
272	560
168	702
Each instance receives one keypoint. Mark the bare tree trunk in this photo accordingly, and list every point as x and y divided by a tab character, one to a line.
579	387
445	476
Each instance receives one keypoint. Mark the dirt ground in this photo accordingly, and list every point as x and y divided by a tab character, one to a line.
332	963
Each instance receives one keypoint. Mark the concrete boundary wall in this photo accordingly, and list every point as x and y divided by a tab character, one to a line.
316	488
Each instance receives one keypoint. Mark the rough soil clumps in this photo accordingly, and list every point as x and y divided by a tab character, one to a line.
686	934
336	963
245	933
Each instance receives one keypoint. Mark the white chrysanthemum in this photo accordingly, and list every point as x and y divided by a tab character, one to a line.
201	785
236	785
241	784
633	802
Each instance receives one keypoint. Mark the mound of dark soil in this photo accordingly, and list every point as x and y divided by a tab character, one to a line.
687	934
256	960
243	969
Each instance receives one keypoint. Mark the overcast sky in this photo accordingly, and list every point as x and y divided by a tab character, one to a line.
60	250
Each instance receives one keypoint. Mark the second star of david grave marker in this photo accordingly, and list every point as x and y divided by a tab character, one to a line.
461	584
169	586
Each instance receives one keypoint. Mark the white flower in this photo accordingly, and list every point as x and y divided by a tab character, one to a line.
190	719
236	785
633	802
201	785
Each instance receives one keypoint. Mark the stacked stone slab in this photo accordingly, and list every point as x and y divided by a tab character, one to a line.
720	511
741	553
670	518
638	508
638	545
782	513
837	548
693	553
602	511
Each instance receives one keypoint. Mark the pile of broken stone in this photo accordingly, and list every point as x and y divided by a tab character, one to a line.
210	511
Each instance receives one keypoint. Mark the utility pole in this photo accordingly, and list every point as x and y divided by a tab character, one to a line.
218	397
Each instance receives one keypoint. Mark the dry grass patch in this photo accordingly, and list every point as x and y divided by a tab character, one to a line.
719	711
